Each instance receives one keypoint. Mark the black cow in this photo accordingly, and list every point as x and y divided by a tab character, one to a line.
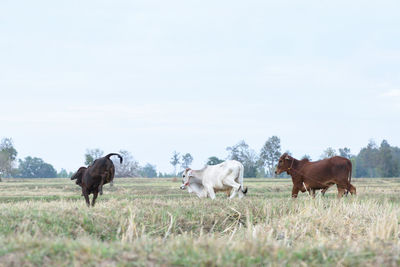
93	177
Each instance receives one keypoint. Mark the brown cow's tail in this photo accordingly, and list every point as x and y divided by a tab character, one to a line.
350	172
114	154
349	177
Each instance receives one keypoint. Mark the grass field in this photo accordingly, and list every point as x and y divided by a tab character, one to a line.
150	222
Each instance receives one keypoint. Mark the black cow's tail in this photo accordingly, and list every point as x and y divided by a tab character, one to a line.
114	154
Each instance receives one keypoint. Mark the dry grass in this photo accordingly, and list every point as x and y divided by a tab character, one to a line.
151	222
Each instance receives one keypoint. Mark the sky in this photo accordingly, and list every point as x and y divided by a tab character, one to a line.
153	77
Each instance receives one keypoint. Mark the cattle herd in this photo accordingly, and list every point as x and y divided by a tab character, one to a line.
306	176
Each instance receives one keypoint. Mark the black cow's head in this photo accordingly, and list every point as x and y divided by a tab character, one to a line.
78	175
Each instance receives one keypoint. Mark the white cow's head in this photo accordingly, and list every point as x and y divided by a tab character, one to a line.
186	175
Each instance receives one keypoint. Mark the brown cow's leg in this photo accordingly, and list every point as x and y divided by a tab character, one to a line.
353	190
323	191
86	195
295	191
95	193
313	193
341	192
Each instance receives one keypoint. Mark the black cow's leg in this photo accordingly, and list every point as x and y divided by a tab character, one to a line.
100	188
86	195
313	193
95	193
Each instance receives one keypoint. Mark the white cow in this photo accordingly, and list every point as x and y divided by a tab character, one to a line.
222	177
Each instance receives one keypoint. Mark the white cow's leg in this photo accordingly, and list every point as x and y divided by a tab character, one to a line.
240	193
211	192
235	187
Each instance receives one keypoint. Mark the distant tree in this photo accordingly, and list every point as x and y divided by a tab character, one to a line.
214	161
148	171
367	161
328	153
63	174
92	154
270	153
244	154
165	175
345	152
8	155
288	152
388	165
175	161
186	160
35	168
129	167
306	157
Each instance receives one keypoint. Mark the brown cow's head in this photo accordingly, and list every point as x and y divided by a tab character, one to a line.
284	163
185	178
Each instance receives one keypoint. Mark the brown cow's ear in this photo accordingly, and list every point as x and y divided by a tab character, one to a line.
287	157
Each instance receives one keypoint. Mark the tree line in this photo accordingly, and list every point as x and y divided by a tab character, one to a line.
371	161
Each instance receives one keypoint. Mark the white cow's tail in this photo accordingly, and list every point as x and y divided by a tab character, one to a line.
241	174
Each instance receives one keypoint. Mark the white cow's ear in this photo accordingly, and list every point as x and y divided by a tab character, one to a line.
190	173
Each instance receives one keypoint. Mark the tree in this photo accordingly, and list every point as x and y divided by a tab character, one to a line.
328	153
244	154
345	152
8	155
175	161
129	166
35	168
270	154
92	154
388	165
367	161
149	171
186	160
307	157
63	174
214	161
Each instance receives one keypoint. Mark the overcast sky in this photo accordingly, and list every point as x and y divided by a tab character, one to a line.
152	77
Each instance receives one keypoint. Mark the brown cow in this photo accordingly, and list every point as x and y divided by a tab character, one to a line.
322	174
92	178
